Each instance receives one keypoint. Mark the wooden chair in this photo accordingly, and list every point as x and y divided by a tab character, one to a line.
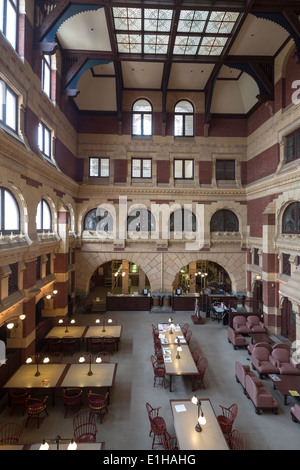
54	344
157	425
169	442
198	380
98	403
69	344
18	399
159	372
105	357
72	399
10	433
84	426
35	407
236	440
226	419
95	344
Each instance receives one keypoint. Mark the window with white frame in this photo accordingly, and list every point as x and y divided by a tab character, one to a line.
142	118
9	212
9	20
141	168
183	169
8	106
184	119
99	167
46	75
43	217
44	136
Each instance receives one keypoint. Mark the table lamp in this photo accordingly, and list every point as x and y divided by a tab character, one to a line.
201	418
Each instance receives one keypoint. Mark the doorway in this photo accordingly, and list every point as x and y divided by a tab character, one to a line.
288	320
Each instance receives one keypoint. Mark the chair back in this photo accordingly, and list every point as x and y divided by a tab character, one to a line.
35	405
236	440
72	395
84	426
105	356
10	433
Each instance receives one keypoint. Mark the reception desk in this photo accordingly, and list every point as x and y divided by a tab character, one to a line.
186	301
128	302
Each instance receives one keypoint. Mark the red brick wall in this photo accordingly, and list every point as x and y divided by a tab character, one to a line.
205	172
255	209
66	160
120	171
29	275
163	171
262	165
61	262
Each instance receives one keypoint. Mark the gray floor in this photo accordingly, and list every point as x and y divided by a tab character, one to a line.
126	426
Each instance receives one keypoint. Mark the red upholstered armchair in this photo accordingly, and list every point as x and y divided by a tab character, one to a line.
260	361
241	371
236	339
282	359
239	324
260	396
256	326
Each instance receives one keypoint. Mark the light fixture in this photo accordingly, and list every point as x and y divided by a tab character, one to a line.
201	418
172	326
45	443
11	324
89	356
103	322
67	322
179	349
50	295
37	357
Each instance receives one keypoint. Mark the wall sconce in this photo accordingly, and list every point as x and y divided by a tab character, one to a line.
11	324
89	356
45	443
50	295
201	418
68	322
37	357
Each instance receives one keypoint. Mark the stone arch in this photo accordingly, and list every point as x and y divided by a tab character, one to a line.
233	263
88	262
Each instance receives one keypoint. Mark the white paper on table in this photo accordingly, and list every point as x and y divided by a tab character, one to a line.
167	359
180	408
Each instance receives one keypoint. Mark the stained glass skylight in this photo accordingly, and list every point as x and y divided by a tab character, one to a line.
148	31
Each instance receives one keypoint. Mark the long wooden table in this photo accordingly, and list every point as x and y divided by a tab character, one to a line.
185	415
170	338
174	366
85	332
57	376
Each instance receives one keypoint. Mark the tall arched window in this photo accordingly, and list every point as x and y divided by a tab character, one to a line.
184	119
183	220
142	118
98	219
291	218
224	220
43	217
140	220
9	212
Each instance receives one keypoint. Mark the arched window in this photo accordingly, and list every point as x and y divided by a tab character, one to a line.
140	220
291	218
184	119
142	118
224	221
183	220
98	219
9	212
43	217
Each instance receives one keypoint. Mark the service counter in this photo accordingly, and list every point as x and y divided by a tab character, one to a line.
128	302
186	302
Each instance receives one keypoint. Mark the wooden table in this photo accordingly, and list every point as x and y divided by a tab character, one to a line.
75	331
183	366
53	376
185	415
170	338
113	331
260	338
287	385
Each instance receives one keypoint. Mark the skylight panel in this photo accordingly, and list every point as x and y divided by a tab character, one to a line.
157	20
156	44
192	21
186	45
212	45
128	19
129	43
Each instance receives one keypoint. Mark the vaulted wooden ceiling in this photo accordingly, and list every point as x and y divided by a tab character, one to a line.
222	50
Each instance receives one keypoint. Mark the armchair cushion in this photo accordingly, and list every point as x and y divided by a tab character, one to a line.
236	339
295	412
260	360
241	371
256	326
285	363
260	396
239	324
